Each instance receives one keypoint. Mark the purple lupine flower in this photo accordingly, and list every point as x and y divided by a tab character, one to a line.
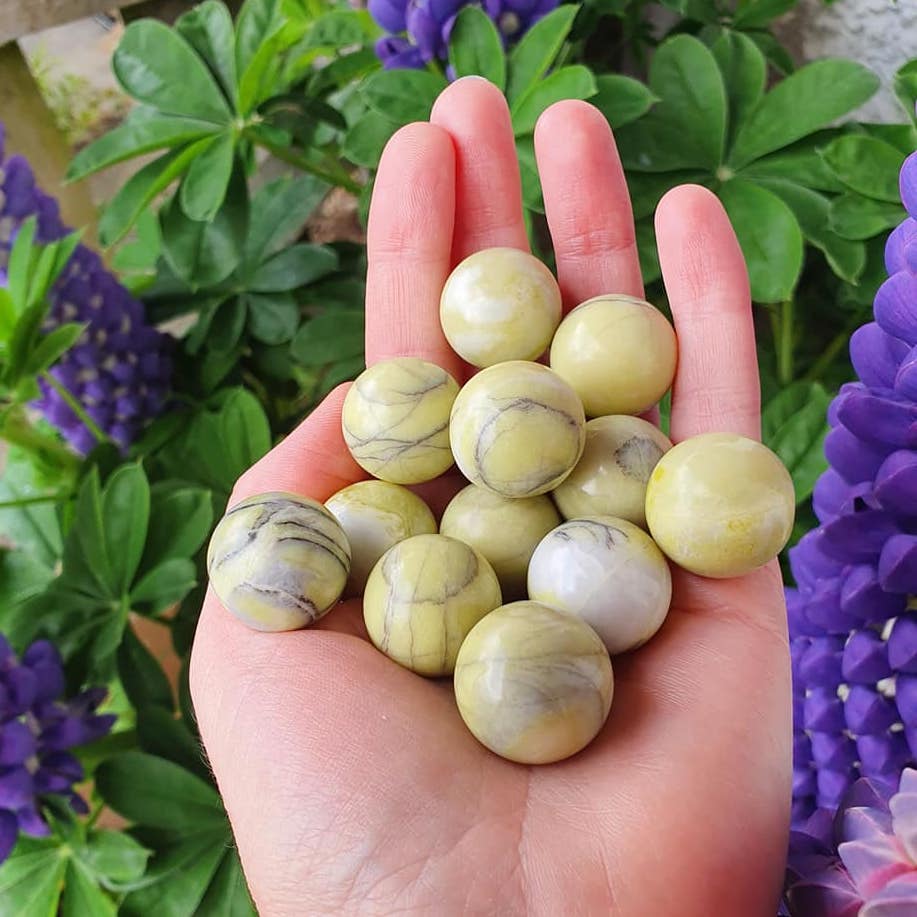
36	729
860	859
120	368
853	615
420	29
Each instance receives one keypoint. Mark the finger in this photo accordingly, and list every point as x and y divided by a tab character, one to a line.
488	192
587	203
716	385
409	240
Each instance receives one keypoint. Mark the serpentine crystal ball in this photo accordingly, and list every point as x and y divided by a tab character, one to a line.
375	516
278	561
533	684
504	530
608	572
517	429
422	599
500	304
395	420
618	353
720	505
610	479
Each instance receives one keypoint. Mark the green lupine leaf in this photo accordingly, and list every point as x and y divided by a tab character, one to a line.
125	517
82	895
208	29
52	346
293	267
855	217
329	338
143	679
770	237
115	856
866	165
155	65
273	318
475	47
204	187
364	142
403	95
808	100
166	584
144	130
228	894
257	21
31	882
744	73
906	88
801	163
757	14
622	99
180	521
536	52
573	82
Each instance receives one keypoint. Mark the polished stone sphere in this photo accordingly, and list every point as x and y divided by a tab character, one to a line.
618	353
278	561
608	572
375	516
422	599
500	304
610	478
503	529
517	429
533	685
395	420
720	505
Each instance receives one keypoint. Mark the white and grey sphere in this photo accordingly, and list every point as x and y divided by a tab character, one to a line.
608	572
375	516
500	304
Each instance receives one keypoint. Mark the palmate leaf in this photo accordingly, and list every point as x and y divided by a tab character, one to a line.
402	95
209	30
866	165
475	47
573	82
621	99
536	51
204	187
744	73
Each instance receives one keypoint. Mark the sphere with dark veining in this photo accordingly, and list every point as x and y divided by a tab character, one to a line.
505	530
422	599
278	561
533	685
608	572
517	429
395	420
610	479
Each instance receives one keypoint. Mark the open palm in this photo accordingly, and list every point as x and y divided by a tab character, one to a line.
352	785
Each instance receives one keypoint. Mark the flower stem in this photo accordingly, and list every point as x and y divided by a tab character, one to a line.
17	431
333	176
76	407
785	343
30	501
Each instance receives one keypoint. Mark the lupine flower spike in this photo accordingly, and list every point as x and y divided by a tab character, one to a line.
119	370
37	728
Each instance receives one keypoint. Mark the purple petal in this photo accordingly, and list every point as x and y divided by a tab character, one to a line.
804	782
854	459
824	711
867	711
44	660
833	751
906	378
390	14
898	564
865	658
907	182
858	537
830	893
876	355
832	784
825	608
872	863
425	31
880	420
821	662
866	793
21	686
809	562
16	788
897	899
896	483
864	599
895	306
880	754
9	825
833	496
17	743
31	822
906	698
904	818
901	249
902	645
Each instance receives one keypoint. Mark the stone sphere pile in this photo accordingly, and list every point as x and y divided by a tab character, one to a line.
554	556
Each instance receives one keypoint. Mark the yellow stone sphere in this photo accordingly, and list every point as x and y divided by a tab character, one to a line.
395	420
422	599
517	429
278	561
618	353
533	685
720	505
500	304
610	478
504	530
375	516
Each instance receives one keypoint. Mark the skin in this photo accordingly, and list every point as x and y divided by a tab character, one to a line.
352	785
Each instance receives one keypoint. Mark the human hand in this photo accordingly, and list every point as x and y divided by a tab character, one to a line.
352	785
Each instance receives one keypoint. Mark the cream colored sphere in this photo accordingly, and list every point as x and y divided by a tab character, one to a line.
504	530
278	561
619	354
375	516
608	572
533	685
395	420
517	429
422	599
610	479
500	304
720	505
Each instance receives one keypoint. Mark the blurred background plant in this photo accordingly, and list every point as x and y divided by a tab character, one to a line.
225	309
